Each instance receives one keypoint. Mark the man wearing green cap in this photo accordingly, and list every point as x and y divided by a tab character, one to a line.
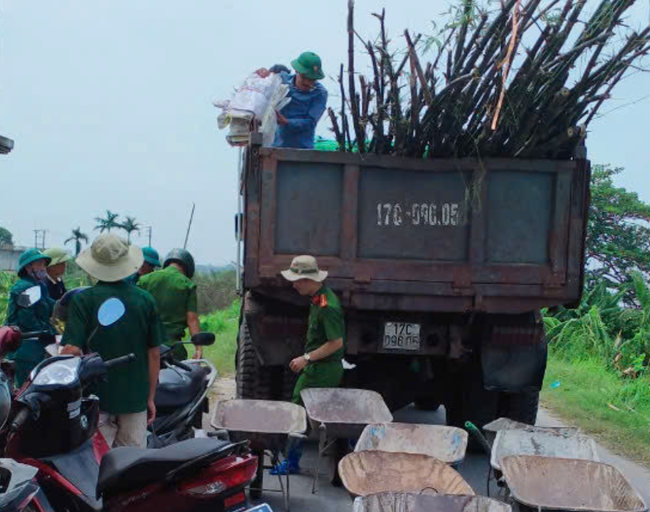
151	262
297	121
30	318
55	270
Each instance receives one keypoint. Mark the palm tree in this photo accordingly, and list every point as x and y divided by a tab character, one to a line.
77	237
130	225
106	224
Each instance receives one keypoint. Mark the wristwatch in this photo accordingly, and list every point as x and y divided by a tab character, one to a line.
307	357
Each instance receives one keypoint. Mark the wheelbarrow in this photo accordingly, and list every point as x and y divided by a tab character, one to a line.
267	425
410	502
492	428
549	483
339	413
372	472
447	444
542	441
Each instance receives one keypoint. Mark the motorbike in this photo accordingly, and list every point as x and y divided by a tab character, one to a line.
53	427
183	386
181	395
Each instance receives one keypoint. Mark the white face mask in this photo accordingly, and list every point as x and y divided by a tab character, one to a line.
39	275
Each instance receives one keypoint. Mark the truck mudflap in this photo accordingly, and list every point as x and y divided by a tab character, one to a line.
513	355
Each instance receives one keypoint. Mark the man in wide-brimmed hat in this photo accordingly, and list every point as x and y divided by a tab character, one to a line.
321	366
297	121
34	317
55	271
127	397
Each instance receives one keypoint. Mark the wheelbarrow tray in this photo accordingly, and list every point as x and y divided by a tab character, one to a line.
265	423
544	442
492	428
344	412
569	484
411	502
447	444
372	472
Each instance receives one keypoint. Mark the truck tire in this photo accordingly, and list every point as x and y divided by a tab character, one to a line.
254	381
521	407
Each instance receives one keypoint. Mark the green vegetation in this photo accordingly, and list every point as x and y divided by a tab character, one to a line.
224	324
616	411
6	238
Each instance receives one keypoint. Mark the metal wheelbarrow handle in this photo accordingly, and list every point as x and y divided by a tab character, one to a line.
475	431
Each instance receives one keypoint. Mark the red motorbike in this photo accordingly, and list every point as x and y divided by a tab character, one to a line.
52	426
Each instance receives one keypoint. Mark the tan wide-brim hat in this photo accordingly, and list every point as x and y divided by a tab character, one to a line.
304	267
110	258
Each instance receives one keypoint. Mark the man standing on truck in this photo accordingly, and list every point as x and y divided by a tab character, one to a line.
297	121
321	366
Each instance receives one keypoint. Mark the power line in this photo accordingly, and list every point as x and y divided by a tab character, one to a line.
40	233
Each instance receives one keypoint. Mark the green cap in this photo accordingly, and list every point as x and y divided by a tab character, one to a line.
57	256
309	64
30	256
151	256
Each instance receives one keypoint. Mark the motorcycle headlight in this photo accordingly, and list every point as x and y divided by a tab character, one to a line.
62	372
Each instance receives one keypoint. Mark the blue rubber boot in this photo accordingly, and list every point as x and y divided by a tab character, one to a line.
290	465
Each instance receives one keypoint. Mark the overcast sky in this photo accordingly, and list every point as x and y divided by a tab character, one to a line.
109	104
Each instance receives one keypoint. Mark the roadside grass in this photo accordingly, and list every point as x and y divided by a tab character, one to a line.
225	325
615	411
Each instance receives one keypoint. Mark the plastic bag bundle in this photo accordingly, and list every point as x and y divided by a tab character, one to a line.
257	99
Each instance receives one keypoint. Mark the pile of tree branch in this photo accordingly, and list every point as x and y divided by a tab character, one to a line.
523	80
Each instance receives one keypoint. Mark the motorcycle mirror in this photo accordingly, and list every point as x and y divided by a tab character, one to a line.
203	339
110	311
29	297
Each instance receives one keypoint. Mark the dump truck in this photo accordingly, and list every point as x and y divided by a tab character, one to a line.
442	267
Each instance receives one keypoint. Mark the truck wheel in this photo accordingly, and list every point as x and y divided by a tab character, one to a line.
254	381
521	407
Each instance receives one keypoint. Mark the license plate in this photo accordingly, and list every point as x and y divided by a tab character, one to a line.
260	508
401	336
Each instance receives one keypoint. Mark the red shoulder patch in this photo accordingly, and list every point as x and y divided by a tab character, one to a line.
323	301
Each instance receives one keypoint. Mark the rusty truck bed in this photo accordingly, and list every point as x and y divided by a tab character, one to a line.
500	236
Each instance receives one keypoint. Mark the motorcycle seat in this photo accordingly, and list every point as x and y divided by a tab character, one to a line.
177	387
126	468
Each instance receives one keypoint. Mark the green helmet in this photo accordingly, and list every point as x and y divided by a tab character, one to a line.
30	256
151	256
57	256
309	64
183	257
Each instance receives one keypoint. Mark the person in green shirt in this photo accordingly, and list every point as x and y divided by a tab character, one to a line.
151	263
321	366
36	317
126	398
175	295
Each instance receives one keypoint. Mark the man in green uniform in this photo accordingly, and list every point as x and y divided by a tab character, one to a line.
35	317
126	399
175	295
322	364
151	263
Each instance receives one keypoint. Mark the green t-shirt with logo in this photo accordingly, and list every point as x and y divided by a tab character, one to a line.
127	387
326	323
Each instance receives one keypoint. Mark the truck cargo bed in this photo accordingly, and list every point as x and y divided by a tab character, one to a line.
500	236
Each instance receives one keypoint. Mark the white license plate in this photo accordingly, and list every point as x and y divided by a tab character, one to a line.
401	336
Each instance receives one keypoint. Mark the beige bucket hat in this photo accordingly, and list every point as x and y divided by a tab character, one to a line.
110	258
304	267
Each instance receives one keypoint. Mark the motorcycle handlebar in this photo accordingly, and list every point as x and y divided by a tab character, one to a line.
20	419
32	334
119	361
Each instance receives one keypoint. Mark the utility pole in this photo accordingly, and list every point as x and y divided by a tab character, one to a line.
149	230
41	233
